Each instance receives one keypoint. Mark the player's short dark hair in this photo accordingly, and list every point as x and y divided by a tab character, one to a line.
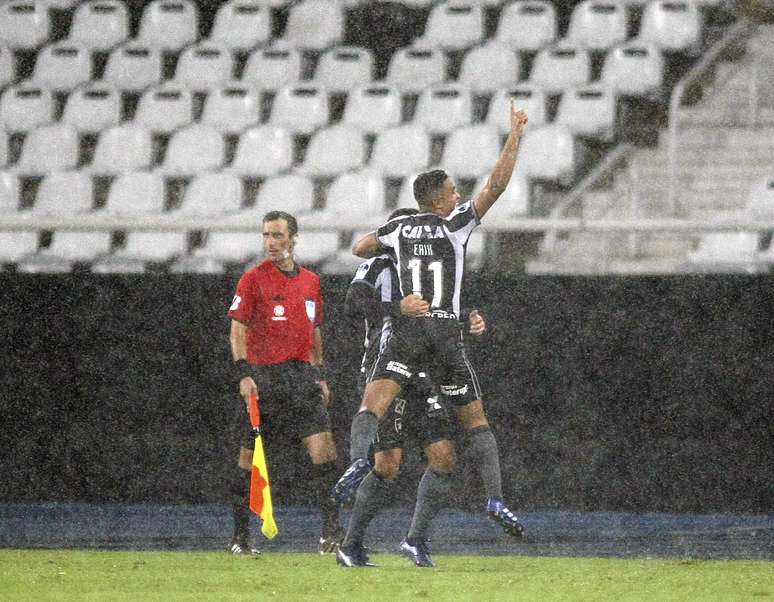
427	184
401	211
272	216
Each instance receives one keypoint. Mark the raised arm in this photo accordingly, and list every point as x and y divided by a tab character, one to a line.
501	173
367	246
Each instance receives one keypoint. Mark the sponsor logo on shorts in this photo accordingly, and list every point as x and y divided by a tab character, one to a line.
453	391
399	368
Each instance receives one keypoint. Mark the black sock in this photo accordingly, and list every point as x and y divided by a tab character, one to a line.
362	434
432	496
372	495
322	481
239	488
482	447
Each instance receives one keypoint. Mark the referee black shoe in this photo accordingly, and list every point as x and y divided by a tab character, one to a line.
347	485
499	513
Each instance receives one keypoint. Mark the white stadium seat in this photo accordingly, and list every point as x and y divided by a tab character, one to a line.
334	150
165	108
135	193
122	148
529	97
93	107
134	66
489	67
62	66
471	151
314	247
263	151
211	194
414	68
760	198
343	68
242	24
169	24
314	24
274	67
672	25
232	107
293	193
64	193
25	106
49	148
373	108
454	25
560	67
401	151
204	65
67	247
24	24
100	24
589	111
355	198
442	108
300	108
548	153
9	192
192	149
17	244
598	24
527	25
513	202
634	69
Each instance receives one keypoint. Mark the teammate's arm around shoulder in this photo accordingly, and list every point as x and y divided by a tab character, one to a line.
501	172
367	246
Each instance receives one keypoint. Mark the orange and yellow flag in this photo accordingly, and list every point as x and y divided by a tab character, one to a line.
260	491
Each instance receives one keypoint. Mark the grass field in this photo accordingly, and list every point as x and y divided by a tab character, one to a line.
172	576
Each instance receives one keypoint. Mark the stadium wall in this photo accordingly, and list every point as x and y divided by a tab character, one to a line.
631	394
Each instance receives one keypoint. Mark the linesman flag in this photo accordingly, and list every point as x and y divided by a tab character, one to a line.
260	492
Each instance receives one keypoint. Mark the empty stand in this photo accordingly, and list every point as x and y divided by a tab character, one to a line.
93	107
7	65
64	193
24	24
373	108
135	193
529	97
527	25
274	67
196	147
25	106
356	198
454	25
212	194
724	252
9	192
442	108
100	24
140	248
263	151
15	245
414	68
314	24
560	67
229	247
489	67
333	150
62	66
165	108
598	24
471	151
672	25
49	148
232	107
204	66
242	24
589	111
169	24
634	69
4	151
122	148
66	249
293	193
343	68
512	203
134	66
548	153
300	108
314	247
760	198
401	151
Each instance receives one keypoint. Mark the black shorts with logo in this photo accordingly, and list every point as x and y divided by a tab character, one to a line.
434	344
290	400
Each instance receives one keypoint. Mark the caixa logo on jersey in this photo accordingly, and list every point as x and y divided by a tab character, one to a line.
453	391
409	231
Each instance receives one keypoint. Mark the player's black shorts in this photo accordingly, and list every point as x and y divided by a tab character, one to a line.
416	416
435	345
290	400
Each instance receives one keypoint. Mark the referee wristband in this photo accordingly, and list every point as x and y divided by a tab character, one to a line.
241	369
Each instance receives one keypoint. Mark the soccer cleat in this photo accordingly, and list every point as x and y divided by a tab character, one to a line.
346	486
418	553
330	541
240	548
499	513
353	555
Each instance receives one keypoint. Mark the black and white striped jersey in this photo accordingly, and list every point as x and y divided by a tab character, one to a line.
430	253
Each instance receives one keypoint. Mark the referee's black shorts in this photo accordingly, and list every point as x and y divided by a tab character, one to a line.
435	345
290	400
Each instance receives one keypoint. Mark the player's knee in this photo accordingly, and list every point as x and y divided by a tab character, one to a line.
387	465
442	459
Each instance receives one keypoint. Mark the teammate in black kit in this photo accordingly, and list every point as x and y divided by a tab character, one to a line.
430	255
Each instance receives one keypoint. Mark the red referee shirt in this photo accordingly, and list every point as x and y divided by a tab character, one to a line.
281	312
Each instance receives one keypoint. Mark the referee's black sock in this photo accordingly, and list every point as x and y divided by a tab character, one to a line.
482	447
432	496
372	495
240	504
362	434
323	478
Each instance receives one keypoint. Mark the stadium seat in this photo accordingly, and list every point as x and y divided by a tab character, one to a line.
67	247
263	151
471	151
634	69
196	147
561	67
48	148
373	108
140	248
401	151
62	66
598	24
25	106
274	67
24	24
513	202
232	107
169	24
548	153
229	247
135	193
204	65
100	25
475	251
93	107
242	24
63	193
292	192
122	148
334	150
414	68
528	97
7	66
165	108
527	25
760	199
17	244
4	151
300	108
489	67
9	192
211	194
314	24
315	247
343	68
355	198
133	67
406	192
672	25
724	252
589	111
444	107
454	25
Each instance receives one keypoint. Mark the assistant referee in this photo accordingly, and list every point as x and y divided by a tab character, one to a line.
276	345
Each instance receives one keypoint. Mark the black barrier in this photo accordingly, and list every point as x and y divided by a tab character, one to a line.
630	394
